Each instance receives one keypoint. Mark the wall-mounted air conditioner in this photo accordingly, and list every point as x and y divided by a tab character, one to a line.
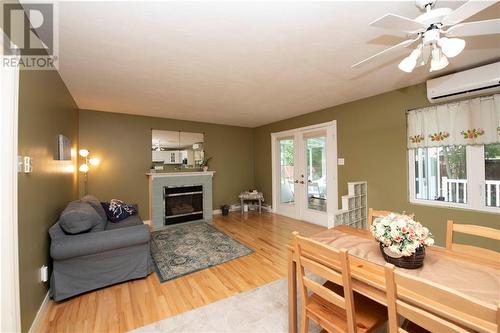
475	81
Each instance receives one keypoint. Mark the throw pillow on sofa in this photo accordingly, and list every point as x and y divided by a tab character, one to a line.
96	204
117	210
78	217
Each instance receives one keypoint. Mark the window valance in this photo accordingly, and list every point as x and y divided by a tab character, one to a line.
470	122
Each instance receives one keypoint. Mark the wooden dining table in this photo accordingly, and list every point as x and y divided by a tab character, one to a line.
475	277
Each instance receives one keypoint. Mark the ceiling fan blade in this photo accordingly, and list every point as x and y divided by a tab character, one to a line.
390	49
465	11
487	27
396	22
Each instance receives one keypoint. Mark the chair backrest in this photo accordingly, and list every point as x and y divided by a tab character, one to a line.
434	307
474	230
330	264
373	214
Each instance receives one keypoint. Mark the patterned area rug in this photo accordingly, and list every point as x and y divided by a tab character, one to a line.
187	248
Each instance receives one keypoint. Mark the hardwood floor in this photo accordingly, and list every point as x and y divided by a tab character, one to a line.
133	304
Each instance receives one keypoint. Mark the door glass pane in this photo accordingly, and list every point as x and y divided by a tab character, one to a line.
441	174
316	173
492	174
287	188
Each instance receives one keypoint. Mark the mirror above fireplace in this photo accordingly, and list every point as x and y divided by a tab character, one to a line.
173	150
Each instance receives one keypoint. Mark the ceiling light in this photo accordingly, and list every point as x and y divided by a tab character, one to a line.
408	64
83	152
439	60
451	47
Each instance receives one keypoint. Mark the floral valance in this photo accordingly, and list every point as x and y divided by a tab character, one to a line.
469	122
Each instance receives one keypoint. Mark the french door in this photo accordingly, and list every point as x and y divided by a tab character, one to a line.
305	173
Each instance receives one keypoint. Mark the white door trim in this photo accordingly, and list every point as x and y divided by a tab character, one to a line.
10	320
332	178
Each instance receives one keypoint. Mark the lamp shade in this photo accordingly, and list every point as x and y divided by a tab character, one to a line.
84	152
408	64
94	161
84	168
451	47
439	60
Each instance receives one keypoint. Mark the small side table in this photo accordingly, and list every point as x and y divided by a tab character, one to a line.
251	196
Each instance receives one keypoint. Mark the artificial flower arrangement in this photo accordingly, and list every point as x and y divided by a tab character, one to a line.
402	239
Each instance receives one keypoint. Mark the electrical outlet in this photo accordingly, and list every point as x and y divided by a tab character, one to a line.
44	273
341	161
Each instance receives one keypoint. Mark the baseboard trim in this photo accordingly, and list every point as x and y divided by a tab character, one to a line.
39	315
233	207
237	208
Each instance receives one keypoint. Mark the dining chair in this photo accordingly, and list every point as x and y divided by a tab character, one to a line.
473	230
434	308
373	214
333	306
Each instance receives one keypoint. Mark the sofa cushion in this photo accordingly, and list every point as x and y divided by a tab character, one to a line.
117	210
96	204
78	217
128	222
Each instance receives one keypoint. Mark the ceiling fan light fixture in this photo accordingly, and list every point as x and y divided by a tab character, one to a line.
409	63
439	60
451	47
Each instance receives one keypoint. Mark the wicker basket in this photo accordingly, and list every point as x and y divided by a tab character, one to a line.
416	260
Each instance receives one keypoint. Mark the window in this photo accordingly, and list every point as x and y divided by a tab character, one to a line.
454	154
456	176
492	174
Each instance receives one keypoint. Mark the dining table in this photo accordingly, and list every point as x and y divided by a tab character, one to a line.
475	277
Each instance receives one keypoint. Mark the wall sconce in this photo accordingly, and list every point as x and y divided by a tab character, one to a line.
85	167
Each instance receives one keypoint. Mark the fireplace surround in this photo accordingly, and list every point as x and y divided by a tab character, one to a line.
177	207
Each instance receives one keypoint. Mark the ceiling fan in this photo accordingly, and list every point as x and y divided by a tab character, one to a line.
435	30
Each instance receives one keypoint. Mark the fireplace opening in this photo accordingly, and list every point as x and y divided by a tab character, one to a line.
183	203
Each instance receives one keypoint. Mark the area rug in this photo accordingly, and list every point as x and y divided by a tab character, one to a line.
190	247
263	309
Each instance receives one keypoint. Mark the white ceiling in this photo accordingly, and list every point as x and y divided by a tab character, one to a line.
238	63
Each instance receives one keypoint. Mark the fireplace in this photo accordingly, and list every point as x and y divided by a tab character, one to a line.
183	203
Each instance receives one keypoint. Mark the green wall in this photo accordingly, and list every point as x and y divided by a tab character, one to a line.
372	139
123	143
46	109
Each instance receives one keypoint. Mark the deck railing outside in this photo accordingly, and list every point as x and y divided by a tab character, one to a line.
455	190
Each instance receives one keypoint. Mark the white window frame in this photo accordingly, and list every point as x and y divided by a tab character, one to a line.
475	183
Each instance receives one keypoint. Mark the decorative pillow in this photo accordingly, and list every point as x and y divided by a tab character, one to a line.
78	217
117	210
96	204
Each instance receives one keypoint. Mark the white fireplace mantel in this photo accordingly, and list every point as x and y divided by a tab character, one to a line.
177	174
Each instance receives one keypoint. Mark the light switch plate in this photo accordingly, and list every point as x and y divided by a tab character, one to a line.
20	164
341	161
27	164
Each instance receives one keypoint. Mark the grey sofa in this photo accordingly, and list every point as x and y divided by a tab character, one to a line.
106	254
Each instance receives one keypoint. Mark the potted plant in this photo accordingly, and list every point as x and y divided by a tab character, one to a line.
225	210
402	240
204	163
